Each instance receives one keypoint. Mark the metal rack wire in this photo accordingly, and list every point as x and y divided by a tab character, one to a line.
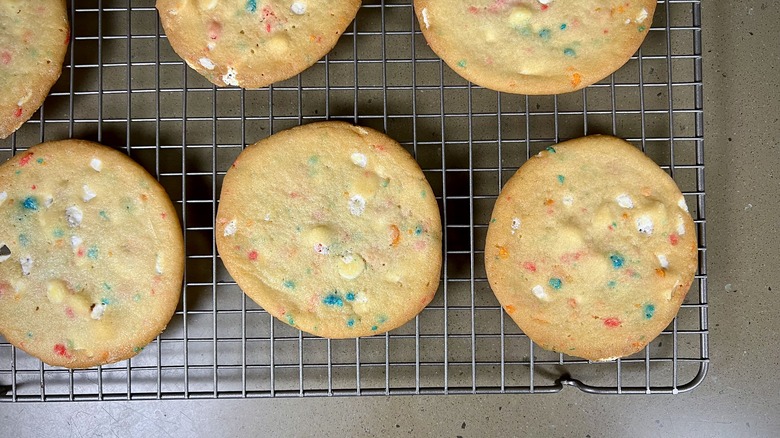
122	85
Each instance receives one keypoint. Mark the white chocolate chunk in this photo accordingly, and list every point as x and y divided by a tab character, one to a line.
644	224
539	292
568	200
642	15
425	18
516	224
681	203
97	311
96	164
663	260
207	63
357	205
359	159
231	228
74	216
625	201
27	264
88	193
3	197
230	77
298	8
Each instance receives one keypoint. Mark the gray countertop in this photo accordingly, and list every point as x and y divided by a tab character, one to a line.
739	397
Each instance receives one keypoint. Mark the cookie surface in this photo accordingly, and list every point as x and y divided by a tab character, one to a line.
91	254
34	38
591	249
252	44
535	46
332	229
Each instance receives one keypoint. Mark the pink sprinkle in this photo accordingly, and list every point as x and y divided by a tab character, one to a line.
18	112
612	322
6	57
545	7
25	159
253	255
473	10
674	239
69	313
530	266
164	215
80	252
214	29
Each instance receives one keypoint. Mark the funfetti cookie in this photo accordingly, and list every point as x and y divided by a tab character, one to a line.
34	37
91	254
535	46
252	44
591	249
331	228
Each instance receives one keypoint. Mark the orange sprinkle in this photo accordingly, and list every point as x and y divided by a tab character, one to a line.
576	79
572	303
647	191
660	272
510	309
549	202
625	215
502	252
395	235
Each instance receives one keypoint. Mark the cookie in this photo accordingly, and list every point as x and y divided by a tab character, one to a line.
34	37
535	46
252	44
332	229
91	254
591	248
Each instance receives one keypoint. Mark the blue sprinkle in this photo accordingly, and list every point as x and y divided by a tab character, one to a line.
382	319
555	283
550	149
612	284
106	286
105	301
30	203
561	179
24	240
289	284
374	328
649	311
333	300
617	261
103	214
418	230
569	52
251	5
58	232
350	296
290	320
350	322
563	26
544	34
92	252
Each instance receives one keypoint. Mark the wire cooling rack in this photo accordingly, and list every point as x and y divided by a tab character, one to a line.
122	85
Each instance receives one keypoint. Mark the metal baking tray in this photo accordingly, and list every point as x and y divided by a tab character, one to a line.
122	85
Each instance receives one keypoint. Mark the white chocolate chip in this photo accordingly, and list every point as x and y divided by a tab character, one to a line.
75	241
515	224
663	261
24	99
229	78
27	264
545	2
267	217
211	45
539	292
625	201
425	18
357	205
359	159
205	62
681	203
642	15
568	200
48	201
231	228
96	164
680	225
3	197
351	266
158	265
644	224
74	216
298	8
88	193
97	311
628	21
